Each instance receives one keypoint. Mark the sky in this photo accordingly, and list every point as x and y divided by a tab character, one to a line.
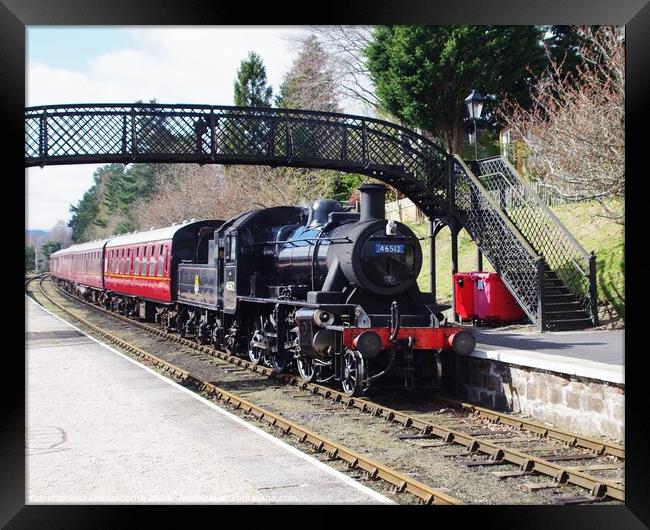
124	64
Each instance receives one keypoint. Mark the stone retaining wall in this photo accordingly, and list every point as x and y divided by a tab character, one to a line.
575	403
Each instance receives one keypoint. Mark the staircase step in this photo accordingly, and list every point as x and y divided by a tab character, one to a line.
566	325
557	298
563	306
557	291
567	315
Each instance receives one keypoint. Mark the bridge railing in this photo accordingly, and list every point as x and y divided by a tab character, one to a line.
517	263
542	230
68	134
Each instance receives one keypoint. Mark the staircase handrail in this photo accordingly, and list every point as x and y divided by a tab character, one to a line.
496	207
549	236
531	193
517	192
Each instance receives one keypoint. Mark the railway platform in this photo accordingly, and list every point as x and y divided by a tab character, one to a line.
102	428
571	379
598	354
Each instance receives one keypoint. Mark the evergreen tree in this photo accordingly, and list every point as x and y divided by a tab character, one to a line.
83	214
29	258
345	185
422	74
250	86
564	43
111	177
106	208
45	252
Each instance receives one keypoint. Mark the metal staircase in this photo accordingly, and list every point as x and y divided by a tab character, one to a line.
547	271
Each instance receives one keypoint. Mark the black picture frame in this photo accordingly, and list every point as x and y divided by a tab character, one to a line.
15	15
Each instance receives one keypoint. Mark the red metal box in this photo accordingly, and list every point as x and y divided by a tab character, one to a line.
464	295
493	301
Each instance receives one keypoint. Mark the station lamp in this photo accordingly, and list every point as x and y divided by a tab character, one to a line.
474	103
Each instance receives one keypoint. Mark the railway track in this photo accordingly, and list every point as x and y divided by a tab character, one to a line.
470	432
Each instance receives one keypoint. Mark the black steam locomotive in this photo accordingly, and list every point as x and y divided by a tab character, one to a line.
331	290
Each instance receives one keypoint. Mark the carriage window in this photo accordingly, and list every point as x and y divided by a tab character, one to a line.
161	259
152	262
129	252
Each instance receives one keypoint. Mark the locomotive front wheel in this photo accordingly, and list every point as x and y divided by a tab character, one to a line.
255	352
306	368
353	373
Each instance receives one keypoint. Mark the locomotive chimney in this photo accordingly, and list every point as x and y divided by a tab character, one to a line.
372	199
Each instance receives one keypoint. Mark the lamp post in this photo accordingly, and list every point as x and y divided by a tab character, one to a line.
474	104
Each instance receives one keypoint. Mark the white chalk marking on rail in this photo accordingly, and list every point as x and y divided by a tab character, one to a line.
350	481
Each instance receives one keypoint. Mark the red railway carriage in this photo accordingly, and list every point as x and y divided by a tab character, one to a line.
144	264
81	264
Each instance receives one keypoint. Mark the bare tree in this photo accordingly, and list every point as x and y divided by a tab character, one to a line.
575	130
61	234
310	82
265	187
345	45
186	191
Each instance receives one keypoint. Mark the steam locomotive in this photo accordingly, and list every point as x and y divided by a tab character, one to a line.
331	292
